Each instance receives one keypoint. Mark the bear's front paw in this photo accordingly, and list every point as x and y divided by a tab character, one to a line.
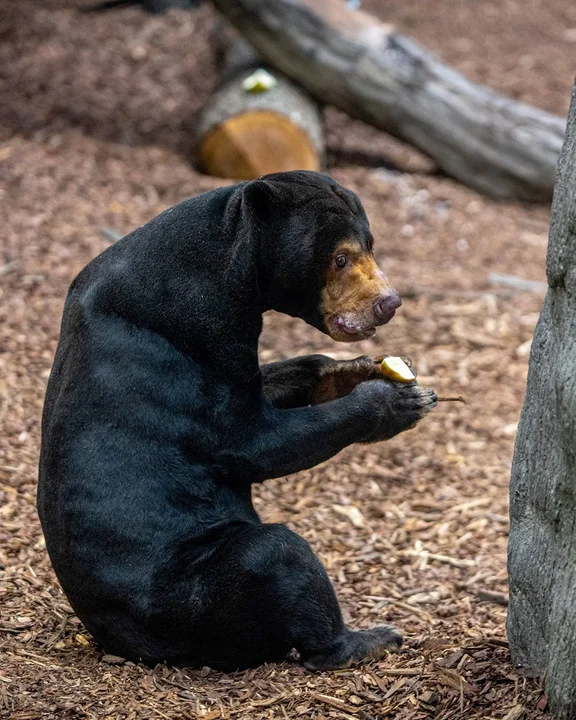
394	407
342	376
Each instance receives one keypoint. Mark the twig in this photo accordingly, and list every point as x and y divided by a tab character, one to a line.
456	562
494	597
412	608
60	632
335	703
516	713
111	234
517	283
459	398
413	672
440	293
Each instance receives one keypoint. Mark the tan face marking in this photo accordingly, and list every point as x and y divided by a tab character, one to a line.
350	292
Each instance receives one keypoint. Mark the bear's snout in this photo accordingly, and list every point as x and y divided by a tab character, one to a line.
386	305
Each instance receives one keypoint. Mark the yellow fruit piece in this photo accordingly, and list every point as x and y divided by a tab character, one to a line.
394	368
259	81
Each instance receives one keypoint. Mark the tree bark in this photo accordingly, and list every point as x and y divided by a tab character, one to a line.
244	135
542	547
349	59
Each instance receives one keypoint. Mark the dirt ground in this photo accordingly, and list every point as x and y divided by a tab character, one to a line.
97	119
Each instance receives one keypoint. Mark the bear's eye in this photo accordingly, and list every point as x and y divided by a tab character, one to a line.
341	261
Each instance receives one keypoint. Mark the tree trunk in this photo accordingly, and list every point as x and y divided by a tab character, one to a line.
349	59
244	135
542	547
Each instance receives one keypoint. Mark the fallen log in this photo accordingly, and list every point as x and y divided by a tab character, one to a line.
258	121
371	71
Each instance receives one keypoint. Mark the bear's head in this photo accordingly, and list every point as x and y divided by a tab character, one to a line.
316	256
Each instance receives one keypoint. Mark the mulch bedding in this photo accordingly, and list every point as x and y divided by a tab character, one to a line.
96	131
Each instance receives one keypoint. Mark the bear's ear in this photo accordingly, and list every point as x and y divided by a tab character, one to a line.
260	199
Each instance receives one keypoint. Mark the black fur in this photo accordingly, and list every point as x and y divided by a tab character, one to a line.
158	419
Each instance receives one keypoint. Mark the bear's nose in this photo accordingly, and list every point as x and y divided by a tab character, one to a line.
386	305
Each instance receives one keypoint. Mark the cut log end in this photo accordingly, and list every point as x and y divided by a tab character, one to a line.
258	121
255	143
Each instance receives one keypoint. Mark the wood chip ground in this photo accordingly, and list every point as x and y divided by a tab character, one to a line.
96	126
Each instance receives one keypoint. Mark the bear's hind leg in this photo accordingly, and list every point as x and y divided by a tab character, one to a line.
271	595
354	646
